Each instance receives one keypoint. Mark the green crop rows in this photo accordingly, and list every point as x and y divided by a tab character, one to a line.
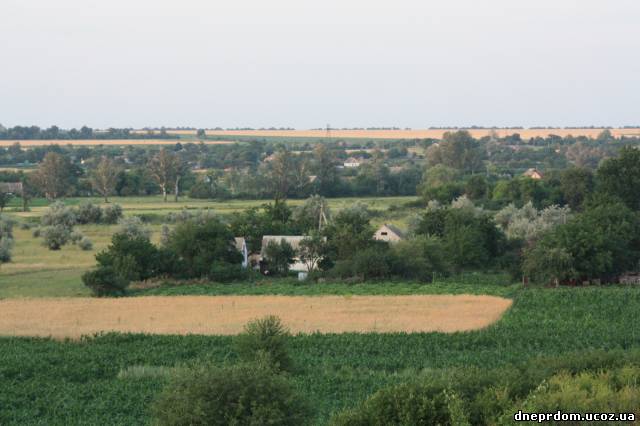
56	383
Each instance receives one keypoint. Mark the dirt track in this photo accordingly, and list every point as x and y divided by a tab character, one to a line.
225	315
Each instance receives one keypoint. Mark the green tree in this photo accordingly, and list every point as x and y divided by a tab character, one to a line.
205	248
458	150
620	177
279	256
349	232
312	249
324	167
5	198
53	176
576	185
162	168
476	188
104	177
312	215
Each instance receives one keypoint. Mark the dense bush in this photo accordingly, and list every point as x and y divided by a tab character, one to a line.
601	243
204	248
6	244
265	336
105	281
421	258
608	391
595	381
85	244
244	394
6	238
59	215
75	236
111	214
133	227
88	213
406	404
470	237
132	258
55	236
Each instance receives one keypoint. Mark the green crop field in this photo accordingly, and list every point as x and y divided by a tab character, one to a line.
44	381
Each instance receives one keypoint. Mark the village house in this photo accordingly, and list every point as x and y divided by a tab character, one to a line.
533	174
388	233
293	241
14	188
352	162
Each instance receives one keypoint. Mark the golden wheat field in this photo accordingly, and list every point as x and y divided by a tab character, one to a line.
226	315
412	134
95	142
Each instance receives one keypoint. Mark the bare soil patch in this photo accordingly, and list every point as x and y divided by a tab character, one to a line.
226	315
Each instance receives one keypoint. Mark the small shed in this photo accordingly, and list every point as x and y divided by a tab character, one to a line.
389	233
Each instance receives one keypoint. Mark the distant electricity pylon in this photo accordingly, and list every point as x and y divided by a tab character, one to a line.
328	132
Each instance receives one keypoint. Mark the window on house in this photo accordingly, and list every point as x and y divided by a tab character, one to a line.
384	234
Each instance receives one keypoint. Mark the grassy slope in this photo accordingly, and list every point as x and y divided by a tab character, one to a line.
49	382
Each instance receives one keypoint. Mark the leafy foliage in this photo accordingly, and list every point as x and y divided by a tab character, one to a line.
244	394
265	337
203	248
279	255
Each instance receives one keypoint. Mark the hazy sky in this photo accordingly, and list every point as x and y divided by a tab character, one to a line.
305	63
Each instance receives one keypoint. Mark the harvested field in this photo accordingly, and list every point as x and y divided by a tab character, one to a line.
115	142
226	315
409	134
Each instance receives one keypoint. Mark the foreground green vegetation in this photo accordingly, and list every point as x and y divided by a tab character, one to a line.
336	371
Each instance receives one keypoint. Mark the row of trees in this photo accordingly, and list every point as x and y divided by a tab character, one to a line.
618	176
56	133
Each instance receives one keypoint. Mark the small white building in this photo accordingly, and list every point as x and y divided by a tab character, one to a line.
388	233
352	162
241	246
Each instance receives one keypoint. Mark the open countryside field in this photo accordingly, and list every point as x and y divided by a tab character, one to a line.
227	315
89	384
154	204
36	271
411	134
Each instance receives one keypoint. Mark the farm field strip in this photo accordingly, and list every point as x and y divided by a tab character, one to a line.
226	315
114	142
410	134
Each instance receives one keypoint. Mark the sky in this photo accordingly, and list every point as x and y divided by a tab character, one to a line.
306	64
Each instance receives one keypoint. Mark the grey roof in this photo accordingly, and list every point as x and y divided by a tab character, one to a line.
293	240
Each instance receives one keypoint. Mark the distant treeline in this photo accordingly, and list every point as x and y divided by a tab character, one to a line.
56	133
